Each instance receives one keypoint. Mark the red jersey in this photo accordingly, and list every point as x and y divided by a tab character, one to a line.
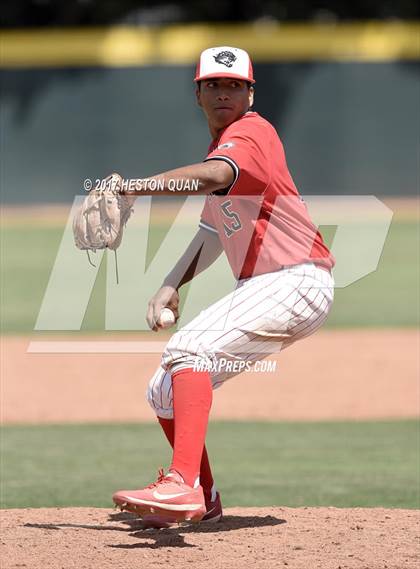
261	220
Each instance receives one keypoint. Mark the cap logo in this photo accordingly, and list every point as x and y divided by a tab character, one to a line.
225	58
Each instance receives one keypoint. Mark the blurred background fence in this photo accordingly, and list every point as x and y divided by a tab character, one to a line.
90	87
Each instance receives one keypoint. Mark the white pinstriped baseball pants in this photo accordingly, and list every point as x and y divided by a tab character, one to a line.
263	315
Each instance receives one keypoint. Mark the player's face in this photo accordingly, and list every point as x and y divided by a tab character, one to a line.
224	100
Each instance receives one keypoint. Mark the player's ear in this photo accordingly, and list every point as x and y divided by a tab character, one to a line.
251	96
198	96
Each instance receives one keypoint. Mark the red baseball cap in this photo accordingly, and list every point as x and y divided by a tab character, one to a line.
224	61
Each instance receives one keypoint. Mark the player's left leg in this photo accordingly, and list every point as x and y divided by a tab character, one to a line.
214	510
160	397
179	493
206	475
192	392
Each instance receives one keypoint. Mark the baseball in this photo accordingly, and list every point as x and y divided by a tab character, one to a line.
166	318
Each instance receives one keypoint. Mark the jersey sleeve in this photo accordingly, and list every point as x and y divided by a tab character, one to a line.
244	148
207	220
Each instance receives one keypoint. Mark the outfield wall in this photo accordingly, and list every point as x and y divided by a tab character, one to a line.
349	119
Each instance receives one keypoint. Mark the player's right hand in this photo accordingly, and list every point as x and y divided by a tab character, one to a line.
166	296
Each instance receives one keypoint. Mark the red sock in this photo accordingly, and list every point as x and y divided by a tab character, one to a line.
192	396
206	476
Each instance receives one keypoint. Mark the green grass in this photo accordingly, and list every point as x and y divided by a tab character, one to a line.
255	464
387	297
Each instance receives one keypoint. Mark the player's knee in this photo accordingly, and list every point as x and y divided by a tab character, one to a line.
149	396
161	404
163	412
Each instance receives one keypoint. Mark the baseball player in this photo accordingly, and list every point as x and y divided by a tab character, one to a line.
284	291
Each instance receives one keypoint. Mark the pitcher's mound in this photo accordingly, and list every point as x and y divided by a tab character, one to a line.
260	538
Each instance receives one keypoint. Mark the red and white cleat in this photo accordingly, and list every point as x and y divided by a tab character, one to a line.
168	497
214	513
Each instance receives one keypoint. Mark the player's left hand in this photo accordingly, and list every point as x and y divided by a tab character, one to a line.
166	296
102	216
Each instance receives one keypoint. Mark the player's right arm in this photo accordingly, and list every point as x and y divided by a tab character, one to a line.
203	250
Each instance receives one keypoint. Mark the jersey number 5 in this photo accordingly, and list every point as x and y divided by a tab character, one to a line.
236	224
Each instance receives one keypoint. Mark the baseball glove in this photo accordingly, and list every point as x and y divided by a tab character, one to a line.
100	221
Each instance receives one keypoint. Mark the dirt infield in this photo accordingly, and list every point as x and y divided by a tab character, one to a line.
339	374
304	538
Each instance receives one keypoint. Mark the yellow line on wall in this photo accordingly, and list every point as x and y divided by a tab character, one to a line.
123	46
